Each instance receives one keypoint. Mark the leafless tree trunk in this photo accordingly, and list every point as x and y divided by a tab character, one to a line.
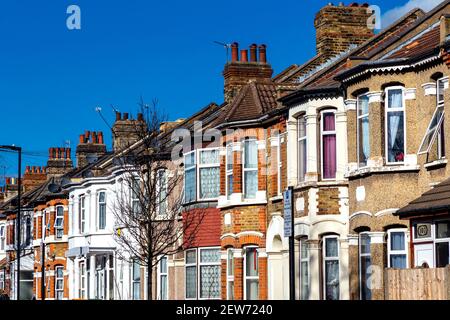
148	214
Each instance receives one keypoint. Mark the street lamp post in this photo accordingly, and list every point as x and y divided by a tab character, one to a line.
19	193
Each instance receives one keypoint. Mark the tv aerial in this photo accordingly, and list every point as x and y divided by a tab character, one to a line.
227	47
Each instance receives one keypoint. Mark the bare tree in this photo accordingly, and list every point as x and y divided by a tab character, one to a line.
148	211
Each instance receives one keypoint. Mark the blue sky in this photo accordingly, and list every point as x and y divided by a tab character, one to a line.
52	78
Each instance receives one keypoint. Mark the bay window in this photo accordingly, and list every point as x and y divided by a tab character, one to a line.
331	267
59	222
251	273
59	283
229	169
82	214
162	278
230	274
397	249
365	262
435	130
209	175
101	210
304	269
161	182
250	168
301	146
363	146
328	141
205	284
395	125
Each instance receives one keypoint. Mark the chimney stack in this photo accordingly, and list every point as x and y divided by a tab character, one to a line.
338	28
59	162
126	131
238	73
90	147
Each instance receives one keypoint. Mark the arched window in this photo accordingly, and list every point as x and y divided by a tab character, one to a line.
250	168
101	210
59	222
328	143
395	125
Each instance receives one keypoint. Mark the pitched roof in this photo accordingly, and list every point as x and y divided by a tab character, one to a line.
253	101
433	201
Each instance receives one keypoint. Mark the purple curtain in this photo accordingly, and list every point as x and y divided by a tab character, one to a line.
329	147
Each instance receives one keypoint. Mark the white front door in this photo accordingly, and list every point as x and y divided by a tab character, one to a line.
423	253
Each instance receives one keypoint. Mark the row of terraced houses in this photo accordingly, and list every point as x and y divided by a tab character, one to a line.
358	131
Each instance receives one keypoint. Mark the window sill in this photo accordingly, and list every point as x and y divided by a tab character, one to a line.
276	198
384	169
436	164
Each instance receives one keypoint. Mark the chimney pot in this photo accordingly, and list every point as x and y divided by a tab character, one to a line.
118	116
262	53
140	116
234	51
244	55
50	153
67	153
93	137
27	169
100	137
56	153
125	116
253	53
81	139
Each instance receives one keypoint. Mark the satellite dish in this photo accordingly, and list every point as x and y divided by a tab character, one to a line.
65	181
54	188
88	174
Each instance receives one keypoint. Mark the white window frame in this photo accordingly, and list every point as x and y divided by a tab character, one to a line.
304	260
199	265
82	214
3	237
203	166
59	290
389	110
162	171
325	133
246	170
2	279
99	227
437	129
299	141
189	168
358	129
244	269
160	275
230	272
361	255
191	264
134	197
439	240
334	258
59	227
133	281
397	252
279	164
228	172
82	279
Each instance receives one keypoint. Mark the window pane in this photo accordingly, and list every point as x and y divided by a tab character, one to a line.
302	160
251	268
365	244
251	184
440	90
363	140
329	156
210	281
328	121
304	294
303	249
163	265
230	263
332	280
301	127
136	271
230	290
363	105
443	229
136	291
398	261
101	197
189	160
191	257
395	135
190	185
230	184
191	282
209	182
251	154
209	156
102	216
331	247
163	293
365	289
441	254
229	157
209	255
395	98
252	289
397	240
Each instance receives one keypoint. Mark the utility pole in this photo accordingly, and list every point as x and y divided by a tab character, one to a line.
289	232
19	208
